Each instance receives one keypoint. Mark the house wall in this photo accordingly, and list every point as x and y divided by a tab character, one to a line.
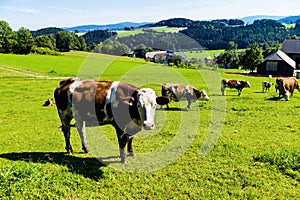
296	58
283	69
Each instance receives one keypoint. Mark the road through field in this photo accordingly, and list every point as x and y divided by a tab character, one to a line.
25	72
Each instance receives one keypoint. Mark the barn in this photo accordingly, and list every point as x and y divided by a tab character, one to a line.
292	49
277	63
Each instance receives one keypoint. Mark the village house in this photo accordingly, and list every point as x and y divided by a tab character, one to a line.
292	49
285	62
277	63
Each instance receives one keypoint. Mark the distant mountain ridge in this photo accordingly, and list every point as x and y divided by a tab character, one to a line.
281	19
290	19
118	26
122	25
251	19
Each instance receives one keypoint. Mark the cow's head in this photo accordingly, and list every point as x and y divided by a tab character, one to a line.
201	94
247	84
146	102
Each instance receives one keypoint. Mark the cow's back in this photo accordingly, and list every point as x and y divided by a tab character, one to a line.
174	91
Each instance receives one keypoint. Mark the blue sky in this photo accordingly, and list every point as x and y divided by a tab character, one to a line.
36	14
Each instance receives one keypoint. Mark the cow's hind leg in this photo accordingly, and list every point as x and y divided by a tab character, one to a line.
66	130
82	133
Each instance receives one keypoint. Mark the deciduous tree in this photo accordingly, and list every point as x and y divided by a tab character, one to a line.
25	41
8	38
252	57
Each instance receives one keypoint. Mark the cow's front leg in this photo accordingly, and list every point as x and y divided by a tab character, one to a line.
122	139
239	92
82	133
223	90
189	105
129	146
292	91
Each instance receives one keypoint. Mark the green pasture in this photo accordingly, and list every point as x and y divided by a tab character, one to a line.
125	33
202	54
231	147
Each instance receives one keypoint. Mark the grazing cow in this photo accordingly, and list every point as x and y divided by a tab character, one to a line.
179	92
237	84
93	103
286	86
48	102
266	86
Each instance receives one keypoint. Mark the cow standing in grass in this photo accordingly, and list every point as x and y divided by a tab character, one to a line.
126	107
286	86
178	92
237	84
266	86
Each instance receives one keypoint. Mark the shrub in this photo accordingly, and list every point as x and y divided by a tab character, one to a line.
44	51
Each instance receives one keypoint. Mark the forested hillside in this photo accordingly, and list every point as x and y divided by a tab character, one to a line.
216	34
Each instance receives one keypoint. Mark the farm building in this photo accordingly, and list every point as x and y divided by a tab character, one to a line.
277	63
292	49
163	56
151	55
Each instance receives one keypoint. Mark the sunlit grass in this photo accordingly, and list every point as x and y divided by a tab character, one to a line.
252	158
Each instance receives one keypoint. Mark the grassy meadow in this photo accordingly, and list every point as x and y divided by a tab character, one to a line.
125	33
231	147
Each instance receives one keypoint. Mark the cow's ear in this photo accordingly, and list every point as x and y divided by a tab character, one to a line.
127	101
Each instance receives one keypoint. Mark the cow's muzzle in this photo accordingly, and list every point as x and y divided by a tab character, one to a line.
148	126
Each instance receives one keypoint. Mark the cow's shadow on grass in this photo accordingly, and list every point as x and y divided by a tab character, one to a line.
171	109
88	167
275	98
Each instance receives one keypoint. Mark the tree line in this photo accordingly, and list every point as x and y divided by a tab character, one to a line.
48	40
215	34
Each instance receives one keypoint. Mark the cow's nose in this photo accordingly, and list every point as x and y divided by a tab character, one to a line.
149	126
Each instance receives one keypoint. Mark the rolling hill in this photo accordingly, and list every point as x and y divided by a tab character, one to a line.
290	19
251	19
118	26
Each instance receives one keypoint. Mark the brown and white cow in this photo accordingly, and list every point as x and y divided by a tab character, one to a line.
237	84
178	92
93	103
286	86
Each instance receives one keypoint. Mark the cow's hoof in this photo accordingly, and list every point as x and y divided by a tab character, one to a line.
124	161
86	150
131	154
70	152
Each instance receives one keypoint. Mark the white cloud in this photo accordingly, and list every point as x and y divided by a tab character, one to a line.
20	10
